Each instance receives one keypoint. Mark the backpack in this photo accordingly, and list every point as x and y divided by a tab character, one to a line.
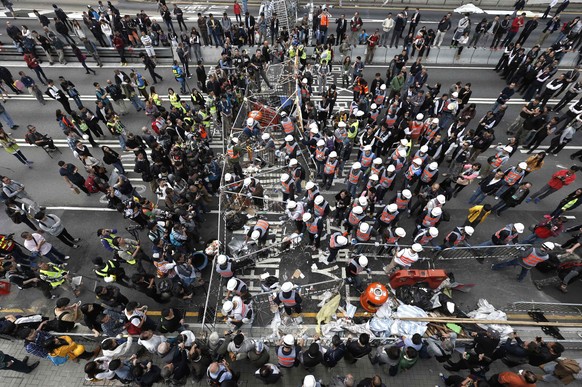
91	185
132	329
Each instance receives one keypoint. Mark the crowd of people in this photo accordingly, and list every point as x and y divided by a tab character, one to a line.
403	149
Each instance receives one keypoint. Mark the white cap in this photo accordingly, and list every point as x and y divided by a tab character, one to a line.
309	381
393	207
306	217
419	116
320	143
374	177
434	165
333	154
247	181
364	227
231	284
292	162
548	245
455	95
469	230
265	136
287	286
400	232
255	235
404	142
407	194
227	177
437	211
309	185
283	114
359	113
227	307
441	199
356	165
373	106
433	231
342	240
377	160
417	247
518	227
391	168
508	149
383	86
235	140
363	201
367	147
288	138
221	259
284	177
250	121
289	339
363	260
291	204
522	165
417	161
358	210
341	124
424	149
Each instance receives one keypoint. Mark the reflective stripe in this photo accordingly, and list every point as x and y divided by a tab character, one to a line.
286	360
390	121
262	225
227	271
404	259
319	210
509	237
427	175
366	161
288	301
320	154
359	268
401	202
354	178
329	168
415	129
288	126
6	244
430	221
532	259
512	177
231	155
460	237
286	186
311	194
386	216
497	161
385	180
313	227
364	236
354	219
289	148
379	99
333	242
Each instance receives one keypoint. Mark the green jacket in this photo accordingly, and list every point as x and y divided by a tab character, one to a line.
396	83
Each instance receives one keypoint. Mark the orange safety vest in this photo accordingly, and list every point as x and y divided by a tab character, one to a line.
512	177
401	203
376	171
320	154
324	20
390	121
319	210
286	186
231	155
430	221
532	259
387	216
410	172
289	148
364	236
508	238
425	238
427	175
430	132
391	238
288	301
398	164
374	114
313	226
354	219
288	126
354	178
366	161
329	168
311	194
262	225
385	180
415	129
496	162
286	360
460	237
332	242
379	99
405	259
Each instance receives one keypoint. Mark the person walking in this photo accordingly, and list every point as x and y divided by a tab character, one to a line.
528	259
10	146
558	181
82	58
53	225
512	197
58	95
38	245
33	64
70	174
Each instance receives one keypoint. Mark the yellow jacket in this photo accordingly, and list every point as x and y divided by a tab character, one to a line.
72	349
475	211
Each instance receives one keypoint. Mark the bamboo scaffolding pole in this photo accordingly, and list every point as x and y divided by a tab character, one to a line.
447	320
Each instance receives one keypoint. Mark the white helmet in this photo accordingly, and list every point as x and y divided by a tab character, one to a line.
358	210
407	194
437	211
548	245
247	181
522	165
383	86
333	154
255	235
221	259
393	207
434	165
424	149
363	260
289	339
288	138
287	286
469	230
231	284
265	136
391	168
374	177
284	177
419	117
227	177
455	94
373	106
364	227
433	231
342	240
306	217
309	185
250	121
318	199
291	204
320	143
417	247
441	199
363	201
377	160
367	147
292	162
356	165
341	124
435	120
417	161
304	81
400	232
404	142
313	125
508	148
360	113
283	114
518	227
309	381
227	307
234	140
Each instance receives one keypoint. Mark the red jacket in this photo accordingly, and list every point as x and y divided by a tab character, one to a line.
118	42
516	24
560	179
31	61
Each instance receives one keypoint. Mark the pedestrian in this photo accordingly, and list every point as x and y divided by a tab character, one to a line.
357	349
548	227
512	197
53	225
119	45
33	64
82	58
37	244
57	94
10	146
25	278
150	65
10	363
570	202
559	180
92	50
72	177
477	215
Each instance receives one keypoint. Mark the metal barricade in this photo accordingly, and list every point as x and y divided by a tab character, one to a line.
482	252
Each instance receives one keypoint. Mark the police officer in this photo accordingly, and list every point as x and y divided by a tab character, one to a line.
529	259
355	267
289	299
53	274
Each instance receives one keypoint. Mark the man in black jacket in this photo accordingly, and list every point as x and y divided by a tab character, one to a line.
335	353
531	25
356	349
342	25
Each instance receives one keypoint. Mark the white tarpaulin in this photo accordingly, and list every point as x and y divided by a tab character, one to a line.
486	311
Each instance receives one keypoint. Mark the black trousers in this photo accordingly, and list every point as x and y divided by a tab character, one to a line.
66	238
17	365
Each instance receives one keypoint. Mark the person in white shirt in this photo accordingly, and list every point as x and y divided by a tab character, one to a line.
150	341
387	26
36	244
53	225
